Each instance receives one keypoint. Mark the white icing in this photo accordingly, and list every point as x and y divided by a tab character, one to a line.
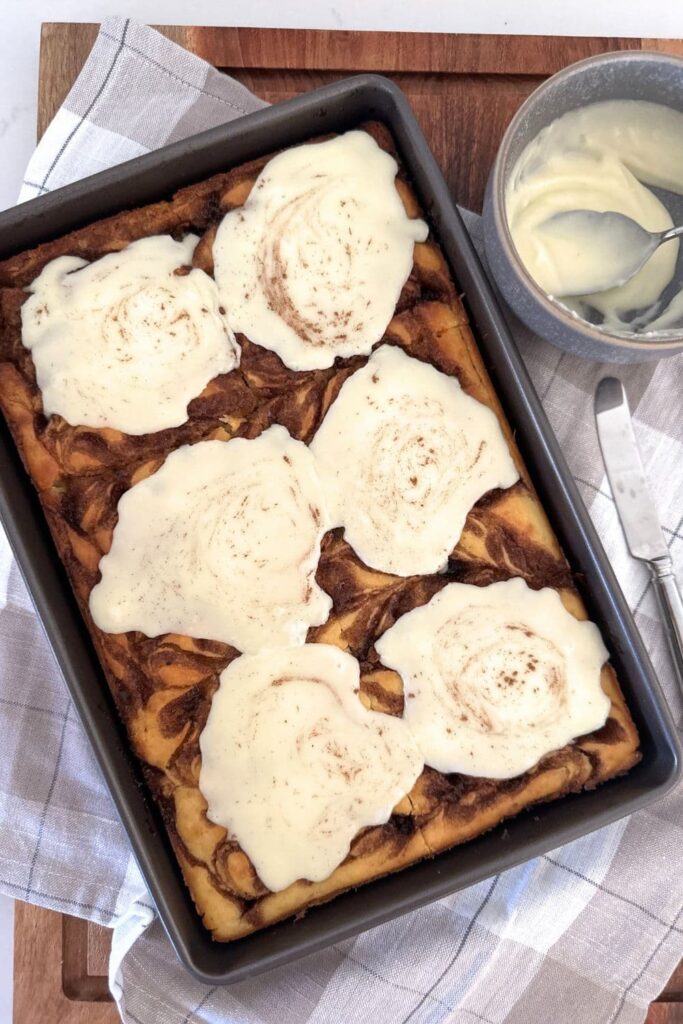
221	543
599	157
313	264
403	454
495	677
293	765
124	342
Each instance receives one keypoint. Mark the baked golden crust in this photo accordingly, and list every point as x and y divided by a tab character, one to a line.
163	685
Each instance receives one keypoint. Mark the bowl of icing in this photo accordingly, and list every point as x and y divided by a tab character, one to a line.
605	134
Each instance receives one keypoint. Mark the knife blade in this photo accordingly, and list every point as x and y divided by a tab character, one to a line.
636	508
625	472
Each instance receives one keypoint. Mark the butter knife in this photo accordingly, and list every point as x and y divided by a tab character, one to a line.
636	508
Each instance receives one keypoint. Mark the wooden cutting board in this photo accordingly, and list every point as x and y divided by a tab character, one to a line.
464	89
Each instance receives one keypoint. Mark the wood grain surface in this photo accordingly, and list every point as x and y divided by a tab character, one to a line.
60	969
464	89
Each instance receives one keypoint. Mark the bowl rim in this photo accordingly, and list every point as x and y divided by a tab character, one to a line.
550	306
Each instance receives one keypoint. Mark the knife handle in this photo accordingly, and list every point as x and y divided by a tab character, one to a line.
671	608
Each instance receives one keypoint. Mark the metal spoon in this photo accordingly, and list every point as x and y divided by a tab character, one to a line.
597	251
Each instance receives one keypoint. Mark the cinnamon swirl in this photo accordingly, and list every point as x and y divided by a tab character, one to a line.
404	453
221	543
313	264
496	677
294	766
126	341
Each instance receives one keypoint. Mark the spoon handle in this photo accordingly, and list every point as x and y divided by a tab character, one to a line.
666	236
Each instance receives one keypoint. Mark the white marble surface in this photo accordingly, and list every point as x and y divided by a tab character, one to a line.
19	68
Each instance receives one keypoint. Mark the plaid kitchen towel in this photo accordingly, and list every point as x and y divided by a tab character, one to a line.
587	934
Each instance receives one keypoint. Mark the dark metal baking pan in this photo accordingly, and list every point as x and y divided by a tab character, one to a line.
334	108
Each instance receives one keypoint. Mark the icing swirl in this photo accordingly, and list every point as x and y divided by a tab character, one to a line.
127	341
221	543
495	677
313	264
293	765
403	454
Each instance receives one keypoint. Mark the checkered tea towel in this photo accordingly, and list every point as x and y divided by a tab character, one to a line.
588	934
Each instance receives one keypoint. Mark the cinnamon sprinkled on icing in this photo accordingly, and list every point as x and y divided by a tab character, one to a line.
496	677
221	543
313	264
293	765
404	454
128	340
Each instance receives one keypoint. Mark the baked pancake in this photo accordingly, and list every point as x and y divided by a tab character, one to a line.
163	686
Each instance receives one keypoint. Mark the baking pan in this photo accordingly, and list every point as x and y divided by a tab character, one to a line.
336	107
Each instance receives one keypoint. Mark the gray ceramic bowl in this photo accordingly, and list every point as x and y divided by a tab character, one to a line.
627	75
